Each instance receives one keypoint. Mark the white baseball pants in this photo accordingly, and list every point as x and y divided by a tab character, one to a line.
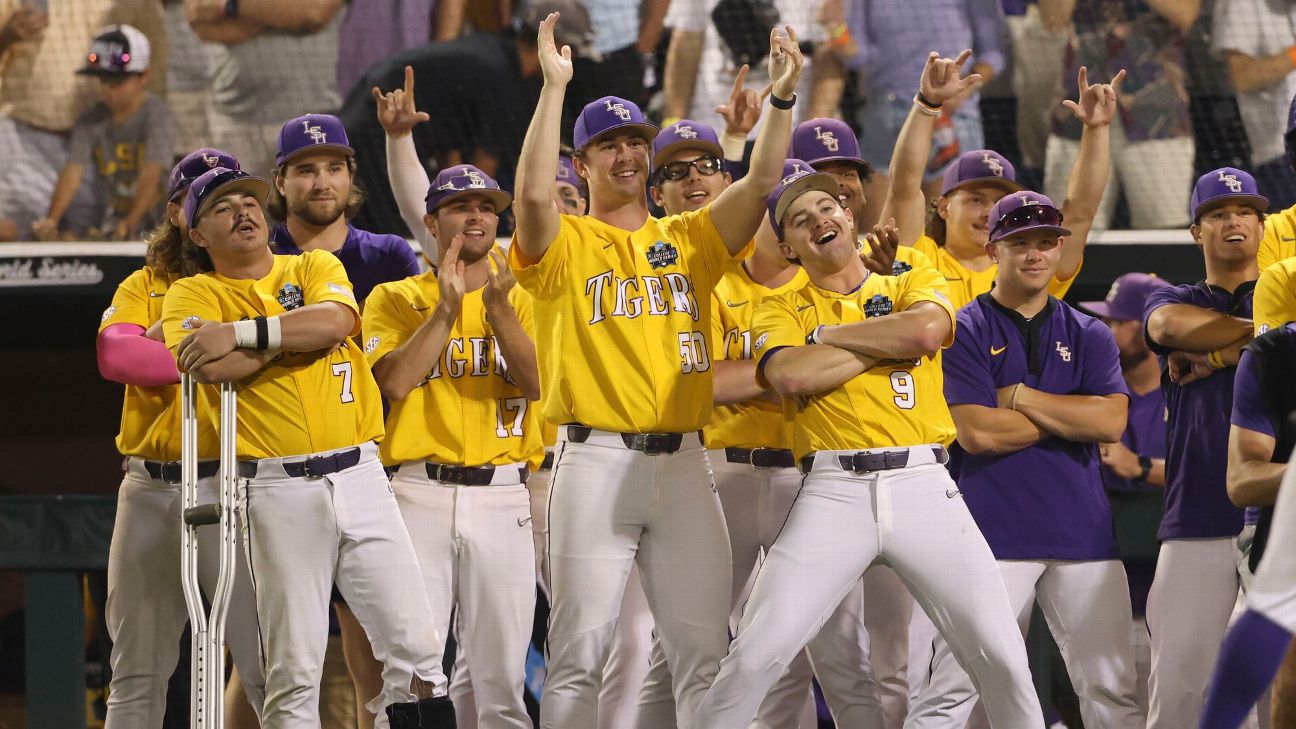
1087	606
1272	591
610	507
477	558
302	535
146	611
913	519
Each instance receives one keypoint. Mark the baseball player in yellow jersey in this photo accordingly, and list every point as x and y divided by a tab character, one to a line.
1275	293
1279	241
627	371
452	350
314	500
978	178
851	353
146	611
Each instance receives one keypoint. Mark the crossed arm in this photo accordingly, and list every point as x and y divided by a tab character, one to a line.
1253	478
1035	416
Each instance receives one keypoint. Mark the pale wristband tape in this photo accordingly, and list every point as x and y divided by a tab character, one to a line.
245	335
276	333
733	147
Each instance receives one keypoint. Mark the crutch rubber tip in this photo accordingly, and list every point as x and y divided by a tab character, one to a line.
202	515
434	713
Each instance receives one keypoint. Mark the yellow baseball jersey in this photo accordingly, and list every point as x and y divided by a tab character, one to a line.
1274	302
626	321
467	411
150	423
894	403
301	402
964	283
1279	242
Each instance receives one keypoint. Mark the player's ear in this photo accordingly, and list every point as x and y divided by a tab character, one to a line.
196	237
942	207
578	164
1195	230
992	250
430	220
655	193
173	214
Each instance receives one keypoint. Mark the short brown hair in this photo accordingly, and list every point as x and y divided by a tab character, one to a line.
277	206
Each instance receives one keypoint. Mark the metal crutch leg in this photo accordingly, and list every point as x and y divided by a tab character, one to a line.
207	671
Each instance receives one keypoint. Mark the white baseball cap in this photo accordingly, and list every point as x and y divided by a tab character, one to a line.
117	50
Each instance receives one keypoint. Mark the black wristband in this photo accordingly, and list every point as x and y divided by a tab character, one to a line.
783	104
231	8
927	102
1145	468
263	333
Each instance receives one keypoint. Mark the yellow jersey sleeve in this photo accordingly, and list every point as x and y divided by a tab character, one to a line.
774	327
326	280
132	302
1058	287
537	276
1274	302
1279	240
926	284
698	228
385	321
183	301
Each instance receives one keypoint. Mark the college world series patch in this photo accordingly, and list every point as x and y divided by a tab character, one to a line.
290	297
662	255
877	305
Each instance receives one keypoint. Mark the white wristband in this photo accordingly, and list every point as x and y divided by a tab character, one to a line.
276	333
814	335
245	334
733	147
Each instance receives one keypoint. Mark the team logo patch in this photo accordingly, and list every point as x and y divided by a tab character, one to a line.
618	109
662	255
1263	327
371	344
107	313
190	322
315	132
899	267
290	297
686	132
877	305
992	164
760	341
827	139
211	159
341	290
1063	352
1230	181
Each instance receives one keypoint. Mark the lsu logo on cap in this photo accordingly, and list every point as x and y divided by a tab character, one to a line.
796	173
315	132
827	139
619	109
1231	181
211	159
686	131
474	178
992	164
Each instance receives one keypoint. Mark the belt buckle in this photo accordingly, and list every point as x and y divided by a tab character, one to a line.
751	458
654	444
309	466
171	471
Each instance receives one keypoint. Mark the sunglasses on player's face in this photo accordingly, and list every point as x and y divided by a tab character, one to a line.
1031	215
676	171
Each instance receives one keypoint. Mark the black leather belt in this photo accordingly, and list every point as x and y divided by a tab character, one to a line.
467	475
871	462
761	457
169	471
548	462
313	467
649	443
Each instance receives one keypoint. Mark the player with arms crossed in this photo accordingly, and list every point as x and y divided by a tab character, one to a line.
628	374
1033	386
1199	331
452	351
315	503
851	353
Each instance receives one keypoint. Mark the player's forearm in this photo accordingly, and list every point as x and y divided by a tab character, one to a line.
294	16
1085	189
905	200
409	183
827	82
229	32
449	19
734	381
69	181
1194	329
917	332
680	81
537	214
986	431
812	369
314	327
519	351
148	189
1253	482
1180	13
1080	418
1255	73
1156	475
235	366
125	355
408	365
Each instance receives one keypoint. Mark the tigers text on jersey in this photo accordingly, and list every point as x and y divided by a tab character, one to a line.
150	424
301	402
892	404
966	284
626	318
467	411
1274	303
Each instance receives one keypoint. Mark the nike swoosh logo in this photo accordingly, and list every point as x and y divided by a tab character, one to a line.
1287	238
524	522
416	308
735	305
803	308
951	493
609	245
155	294
996	352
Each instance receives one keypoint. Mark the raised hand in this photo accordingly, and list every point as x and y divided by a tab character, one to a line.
450	276
785	62
883	243
396	112
499	281
943	81
1098	103
24	24
744	107
554	62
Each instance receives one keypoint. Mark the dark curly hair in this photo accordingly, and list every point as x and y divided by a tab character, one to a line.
172	255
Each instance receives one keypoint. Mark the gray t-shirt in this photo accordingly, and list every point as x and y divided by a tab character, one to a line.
1259	28
114	153
187	67
277	76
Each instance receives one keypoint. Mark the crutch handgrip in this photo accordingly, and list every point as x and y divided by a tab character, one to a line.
202	515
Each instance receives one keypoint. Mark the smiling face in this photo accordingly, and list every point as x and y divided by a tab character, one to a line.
696	190
233	227
965	211
817	232
1027	260
615	165
1229	233
852	185
315	187
471	215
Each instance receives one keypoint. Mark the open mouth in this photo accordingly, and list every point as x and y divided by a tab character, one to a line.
826	238
246	227
1235	238
697	195
626	174
474	233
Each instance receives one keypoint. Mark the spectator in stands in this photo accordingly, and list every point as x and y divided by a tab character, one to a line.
1152	137
1036	67
887	44
125	141
372	31
617	65
41	97
1257	41
188	81
273	60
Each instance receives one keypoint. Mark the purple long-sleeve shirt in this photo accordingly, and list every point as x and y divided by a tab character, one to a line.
893	38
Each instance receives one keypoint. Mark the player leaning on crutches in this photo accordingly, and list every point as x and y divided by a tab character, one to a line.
146	606
315	503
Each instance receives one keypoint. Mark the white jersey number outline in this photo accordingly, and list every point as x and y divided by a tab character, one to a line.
343	370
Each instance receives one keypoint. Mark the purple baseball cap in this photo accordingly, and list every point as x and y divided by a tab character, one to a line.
798	177
980	165
194	164
217	182
460	180
685	134
827	140
606	114
312	133
1127	297
567	173
1227	184
1024	211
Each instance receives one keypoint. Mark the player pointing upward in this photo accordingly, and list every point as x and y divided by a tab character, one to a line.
628	370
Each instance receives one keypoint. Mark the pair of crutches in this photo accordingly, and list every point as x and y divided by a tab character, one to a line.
207	667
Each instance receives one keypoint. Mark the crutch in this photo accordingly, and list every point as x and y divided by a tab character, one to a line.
207	669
